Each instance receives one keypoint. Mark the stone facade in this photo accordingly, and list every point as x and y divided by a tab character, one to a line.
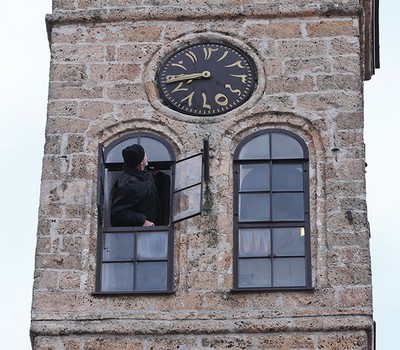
312	59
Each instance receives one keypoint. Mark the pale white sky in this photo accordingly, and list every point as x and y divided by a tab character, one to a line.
24	63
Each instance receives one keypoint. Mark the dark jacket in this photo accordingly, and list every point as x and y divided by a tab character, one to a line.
135	199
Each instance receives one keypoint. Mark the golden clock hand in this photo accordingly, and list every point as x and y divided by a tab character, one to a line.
180	77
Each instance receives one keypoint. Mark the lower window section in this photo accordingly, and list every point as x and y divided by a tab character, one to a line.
272	257
289	272
117	277
137	260
255	273
151	276
137	276
271	272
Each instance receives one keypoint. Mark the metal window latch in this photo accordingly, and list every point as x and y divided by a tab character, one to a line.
206	159
349	215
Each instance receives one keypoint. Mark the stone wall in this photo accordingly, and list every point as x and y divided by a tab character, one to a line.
316	340
104	58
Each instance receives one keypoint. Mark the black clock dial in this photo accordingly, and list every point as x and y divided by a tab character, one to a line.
206	79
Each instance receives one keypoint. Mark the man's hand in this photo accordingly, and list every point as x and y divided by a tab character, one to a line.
148	223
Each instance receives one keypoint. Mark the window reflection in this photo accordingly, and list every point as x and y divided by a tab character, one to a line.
151	276
289	272
254	242
152	245
289	241
254	177
256	148
118	246
117	277
254	273
287	177
285	147
287	207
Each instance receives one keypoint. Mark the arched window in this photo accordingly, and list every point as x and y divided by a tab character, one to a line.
140	259
271	212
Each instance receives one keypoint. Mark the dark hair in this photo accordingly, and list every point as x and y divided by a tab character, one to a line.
133	155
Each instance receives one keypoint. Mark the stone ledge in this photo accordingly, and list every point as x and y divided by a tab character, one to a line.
182	13
142	327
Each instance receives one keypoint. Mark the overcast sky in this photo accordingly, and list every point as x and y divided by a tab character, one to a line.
24	64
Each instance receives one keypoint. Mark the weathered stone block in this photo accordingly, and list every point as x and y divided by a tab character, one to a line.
332	28
287	341
342	341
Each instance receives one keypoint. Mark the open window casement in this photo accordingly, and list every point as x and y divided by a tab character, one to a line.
100	185
187	175
187	199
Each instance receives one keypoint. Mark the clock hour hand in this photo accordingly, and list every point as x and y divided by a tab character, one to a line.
180	77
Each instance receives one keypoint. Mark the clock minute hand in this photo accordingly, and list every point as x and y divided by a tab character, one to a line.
181	77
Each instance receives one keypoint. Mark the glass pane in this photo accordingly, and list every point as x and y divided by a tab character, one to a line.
118	246
115	154
152	245
151	276
254	177
287	177
188	172
287	207
254	207
290	272
111	179
155	150
117	277
284	146
187	203
254	273
254	242
256	148
289	241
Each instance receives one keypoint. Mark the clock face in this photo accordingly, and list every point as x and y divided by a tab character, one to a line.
206	79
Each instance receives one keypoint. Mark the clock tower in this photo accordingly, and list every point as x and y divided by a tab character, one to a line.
251	117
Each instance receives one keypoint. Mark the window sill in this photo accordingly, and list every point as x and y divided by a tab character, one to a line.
275	289
133	293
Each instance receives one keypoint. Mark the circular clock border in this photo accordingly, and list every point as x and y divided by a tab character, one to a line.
190	79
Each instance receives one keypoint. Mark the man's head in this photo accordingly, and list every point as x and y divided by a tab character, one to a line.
134	155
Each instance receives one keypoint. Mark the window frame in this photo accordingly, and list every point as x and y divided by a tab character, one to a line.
271	224
104	189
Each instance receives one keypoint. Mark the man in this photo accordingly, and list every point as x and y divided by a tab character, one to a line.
135	201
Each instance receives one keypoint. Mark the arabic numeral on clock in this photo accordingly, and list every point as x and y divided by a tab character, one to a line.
207	52
243	77
205	104
235	91
189	99
221	100
179	88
